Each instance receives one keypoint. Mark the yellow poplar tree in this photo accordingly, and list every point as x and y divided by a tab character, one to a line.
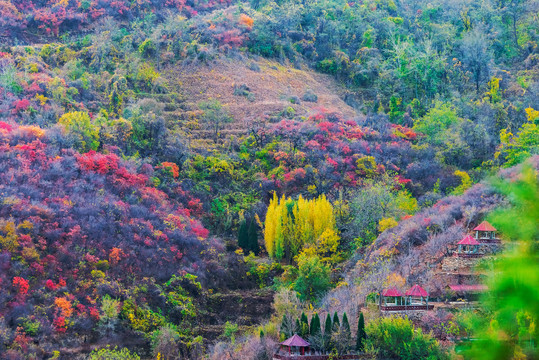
291	225
270	226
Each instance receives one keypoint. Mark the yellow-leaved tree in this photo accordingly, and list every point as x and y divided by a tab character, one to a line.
292	225
80	125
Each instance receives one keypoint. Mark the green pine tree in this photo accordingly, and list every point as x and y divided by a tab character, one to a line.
361	335
327	333
318	324
336	322
298	327
315	325
252	236
243	236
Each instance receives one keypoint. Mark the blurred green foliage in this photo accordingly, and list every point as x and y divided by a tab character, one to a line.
509	330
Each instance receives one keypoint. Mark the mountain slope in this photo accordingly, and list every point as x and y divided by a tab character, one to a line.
413	251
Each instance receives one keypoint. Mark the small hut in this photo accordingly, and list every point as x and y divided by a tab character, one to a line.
417	298
468	247
296	345
485	232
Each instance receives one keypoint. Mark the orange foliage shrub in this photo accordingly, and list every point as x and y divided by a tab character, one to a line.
246	20
173	168
115	255
65	306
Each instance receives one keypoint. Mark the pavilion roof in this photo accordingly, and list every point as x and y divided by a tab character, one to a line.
468	288
468	240
485	226
295	340
417	290
391	293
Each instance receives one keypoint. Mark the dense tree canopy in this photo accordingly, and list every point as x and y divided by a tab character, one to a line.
335	132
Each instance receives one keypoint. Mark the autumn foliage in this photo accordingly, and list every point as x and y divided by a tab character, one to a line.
292	225
86	221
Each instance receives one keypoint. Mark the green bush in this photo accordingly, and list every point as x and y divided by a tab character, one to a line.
147	48
141	318
30	327
80	125
328	66
313	277
9	81
435	124
110	308
231	330
113	354
397	338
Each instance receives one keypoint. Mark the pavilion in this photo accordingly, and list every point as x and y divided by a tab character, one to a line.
295	345
468	247
393	294
416	298
485	232
391	299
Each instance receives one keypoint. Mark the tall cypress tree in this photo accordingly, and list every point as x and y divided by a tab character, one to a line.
336	322
252	236
243	236
315	325
327	332
361	335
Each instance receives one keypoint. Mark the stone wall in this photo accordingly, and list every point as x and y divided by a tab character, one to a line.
452	264
412	315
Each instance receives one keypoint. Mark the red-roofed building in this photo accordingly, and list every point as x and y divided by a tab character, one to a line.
485	232
417	291
416	298
468	247
296	345
390	298
485	226
468	240
392	293
297	348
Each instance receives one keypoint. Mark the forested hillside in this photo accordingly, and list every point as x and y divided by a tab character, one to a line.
182	179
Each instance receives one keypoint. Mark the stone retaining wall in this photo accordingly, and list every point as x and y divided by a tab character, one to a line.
453	264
